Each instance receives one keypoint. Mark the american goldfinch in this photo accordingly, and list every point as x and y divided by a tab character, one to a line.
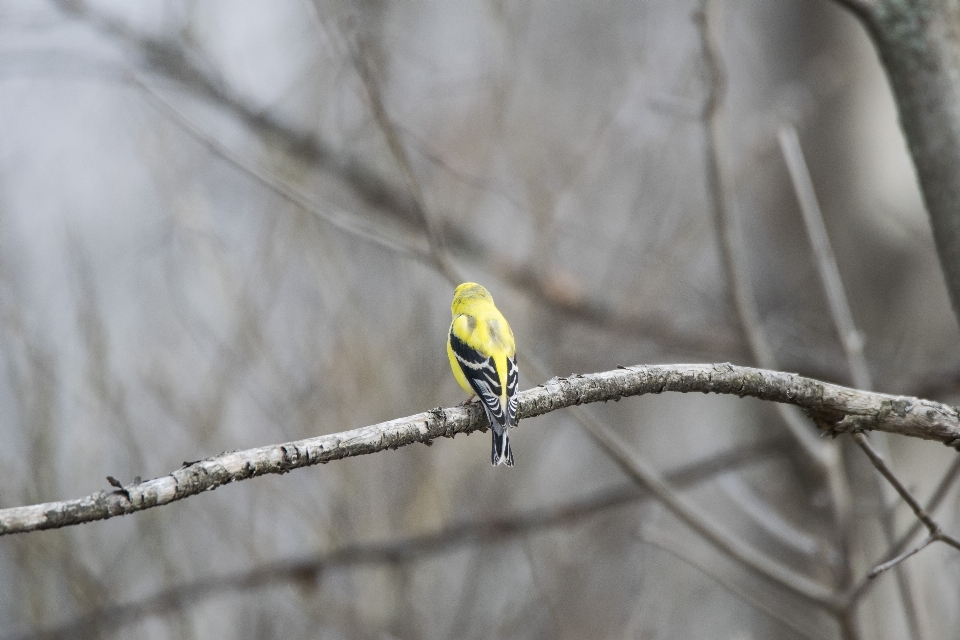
484	361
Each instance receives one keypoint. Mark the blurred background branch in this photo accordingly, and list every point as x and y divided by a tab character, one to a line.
309	571
174	61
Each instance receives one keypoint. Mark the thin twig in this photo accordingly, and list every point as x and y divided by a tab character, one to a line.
339	219
857	591
362	63
936	498
825	260
732	253
700	521
767	605
895	482
912	502
936	533
850	337
892	563
825	456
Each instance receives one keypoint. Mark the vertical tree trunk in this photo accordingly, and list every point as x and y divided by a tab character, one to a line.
919	46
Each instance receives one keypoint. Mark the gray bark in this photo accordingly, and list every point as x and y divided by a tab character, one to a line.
919	45
833	408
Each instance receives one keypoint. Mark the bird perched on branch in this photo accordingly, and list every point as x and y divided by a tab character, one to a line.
484	361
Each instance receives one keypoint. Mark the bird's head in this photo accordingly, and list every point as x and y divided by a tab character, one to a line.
467	294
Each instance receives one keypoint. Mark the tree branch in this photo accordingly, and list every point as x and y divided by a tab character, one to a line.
833	408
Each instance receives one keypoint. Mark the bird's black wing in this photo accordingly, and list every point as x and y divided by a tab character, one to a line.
513	387
481	372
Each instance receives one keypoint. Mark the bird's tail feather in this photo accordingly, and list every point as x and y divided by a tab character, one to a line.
501	452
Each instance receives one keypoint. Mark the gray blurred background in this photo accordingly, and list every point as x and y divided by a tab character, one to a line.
166	295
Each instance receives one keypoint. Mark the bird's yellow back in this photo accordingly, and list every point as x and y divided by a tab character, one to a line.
478	323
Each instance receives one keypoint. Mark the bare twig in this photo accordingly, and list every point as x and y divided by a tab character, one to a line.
936	534
912	502
699	520
341	220
826	261
858	590
405	550
935	499
892	563
852	341
768	604
825	456
731	249
362	63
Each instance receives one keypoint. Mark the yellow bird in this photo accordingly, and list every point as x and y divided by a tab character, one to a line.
483	357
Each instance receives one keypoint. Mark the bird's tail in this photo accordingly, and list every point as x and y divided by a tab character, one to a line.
501	452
